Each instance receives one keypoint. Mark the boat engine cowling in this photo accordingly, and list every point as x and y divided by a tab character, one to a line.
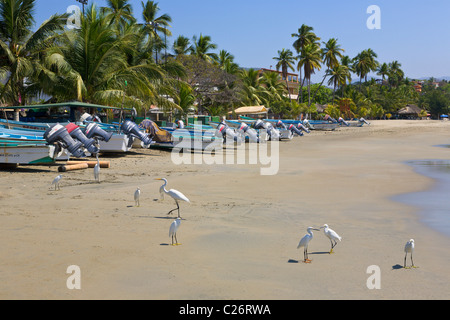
226	132
252	135
294	129
76	133
58	133
130	128
281	125
364	120
93	130
271	131
259	124
341	120
300	126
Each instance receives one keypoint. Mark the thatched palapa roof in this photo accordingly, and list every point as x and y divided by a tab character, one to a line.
410	109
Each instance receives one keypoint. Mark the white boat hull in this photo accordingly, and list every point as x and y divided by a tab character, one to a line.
117	143
38	154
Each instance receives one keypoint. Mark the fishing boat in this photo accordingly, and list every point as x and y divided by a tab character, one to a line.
191	137
352	123
118	142
26	152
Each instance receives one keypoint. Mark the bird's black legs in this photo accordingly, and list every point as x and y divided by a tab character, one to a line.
305	255
412	262
332	245
177	208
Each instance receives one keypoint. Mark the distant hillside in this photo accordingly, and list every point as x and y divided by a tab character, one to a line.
447	78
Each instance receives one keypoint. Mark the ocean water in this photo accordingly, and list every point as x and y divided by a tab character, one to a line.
434	203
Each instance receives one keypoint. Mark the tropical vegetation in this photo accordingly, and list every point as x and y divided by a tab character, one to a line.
113	59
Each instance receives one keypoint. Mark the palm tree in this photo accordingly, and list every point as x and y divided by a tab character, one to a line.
304	37
155	25
395	73
90	66
383	70
347	61
21	48
181	46
285	61
225	61
274	89
202	47
310	59
119	13
330	54
251	87
338	76
185	99
364	63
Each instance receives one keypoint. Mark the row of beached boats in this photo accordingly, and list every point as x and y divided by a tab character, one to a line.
45	142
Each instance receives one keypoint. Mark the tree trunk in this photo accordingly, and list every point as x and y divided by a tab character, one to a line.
317	90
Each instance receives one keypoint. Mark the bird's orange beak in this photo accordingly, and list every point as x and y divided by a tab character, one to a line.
158	179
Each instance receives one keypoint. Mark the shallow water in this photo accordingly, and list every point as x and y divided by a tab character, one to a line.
434	203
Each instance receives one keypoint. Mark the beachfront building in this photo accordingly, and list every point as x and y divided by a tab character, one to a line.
292	81
410	111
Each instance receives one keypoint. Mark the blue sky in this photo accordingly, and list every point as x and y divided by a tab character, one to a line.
416	33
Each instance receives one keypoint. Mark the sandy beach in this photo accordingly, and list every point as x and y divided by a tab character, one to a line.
240	232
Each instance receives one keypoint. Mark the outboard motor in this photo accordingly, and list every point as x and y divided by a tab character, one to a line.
92	118
273	134
364	120
330	119
341	120
59	134
75	132
226	131
252	135
307	124
130	128
294	129
300	126
281	125
259	124
94	131
180	124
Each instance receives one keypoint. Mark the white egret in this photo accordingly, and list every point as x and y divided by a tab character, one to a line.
137	195
409	247
175	194
97	171
173	230
56	181
332	235
304	242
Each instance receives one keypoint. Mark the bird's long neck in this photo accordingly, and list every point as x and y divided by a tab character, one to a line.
164	187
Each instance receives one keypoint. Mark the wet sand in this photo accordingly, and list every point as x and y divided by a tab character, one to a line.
240	232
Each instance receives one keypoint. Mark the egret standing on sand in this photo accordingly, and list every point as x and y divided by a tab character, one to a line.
97	171
175	194
173	230
332	235
56	181
409	247
304	242
137	194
